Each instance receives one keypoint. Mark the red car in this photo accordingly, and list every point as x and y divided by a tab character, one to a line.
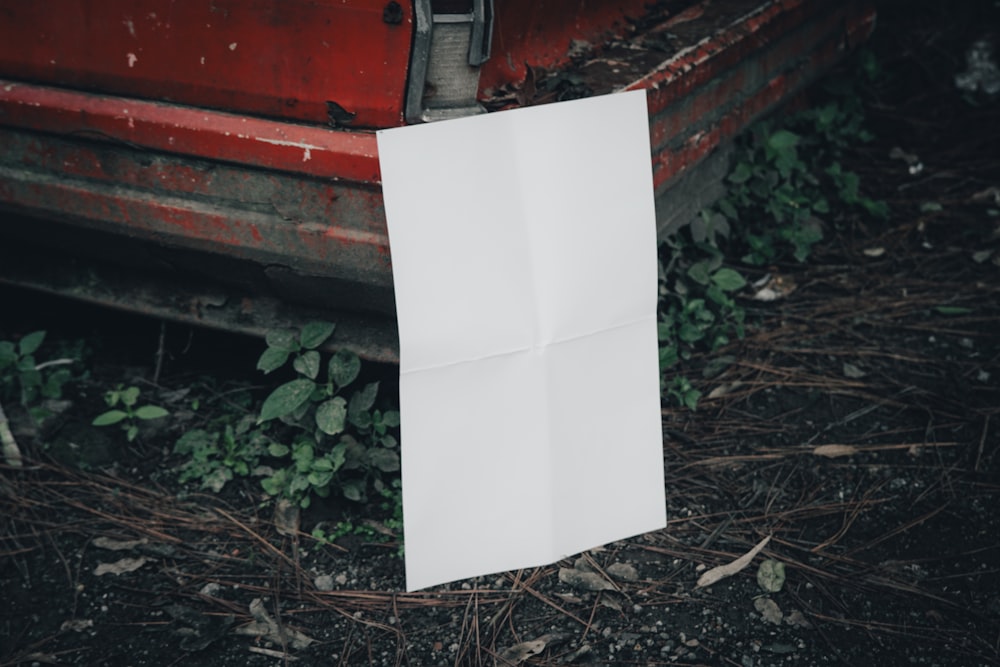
215	161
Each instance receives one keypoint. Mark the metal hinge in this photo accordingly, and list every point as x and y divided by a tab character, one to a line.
449	47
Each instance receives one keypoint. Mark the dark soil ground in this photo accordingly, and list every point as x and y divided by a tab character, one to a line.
858	425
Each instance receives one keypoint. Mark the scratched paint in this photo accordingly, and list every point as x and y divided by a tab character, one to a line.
306	148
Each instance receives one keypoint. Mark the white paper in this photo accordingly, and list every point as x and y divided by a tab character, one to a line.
524	260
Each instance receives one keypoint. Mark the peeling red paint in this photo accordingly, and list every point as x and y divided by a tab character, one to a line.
301	200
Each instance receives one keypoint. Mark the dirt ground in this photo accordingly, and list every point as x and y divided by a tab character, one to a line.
857	425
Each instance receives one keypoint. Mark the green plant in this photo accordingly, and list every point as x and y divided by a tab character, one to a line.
697	310
217	455
341	439
788	171
781	187
126	411
391	525
32	380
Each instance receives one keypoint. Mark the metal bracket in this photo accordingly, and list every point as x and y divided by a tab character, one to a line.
448	49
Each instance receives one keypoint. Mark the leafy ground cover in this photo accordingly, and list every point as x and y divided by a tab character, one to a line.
854	427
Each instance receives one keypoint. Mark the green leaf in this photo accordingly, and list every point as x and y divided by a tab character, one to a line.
307	364
385	460
728	280
668	357
323	464
282	339
298	484
30	343
699	272
319	478
277	450
783	140
285	399
7	354
953	310
391	418
150	412
742	173
690	333
302	455
274	485
131	432
272	359
108	418
30	378
361	402
314	333
194	440
129	396
352	490
691	399
337	455
771	575
344	367
331	415
54	383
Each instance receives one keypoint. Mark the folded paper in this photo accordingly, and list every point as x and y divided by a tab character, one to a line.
524	260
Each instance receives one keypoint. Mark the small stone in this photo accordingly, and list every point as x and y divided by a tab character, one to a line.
323	582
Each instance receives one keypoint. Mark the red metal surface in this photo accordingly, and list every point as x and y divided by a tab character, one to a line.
294	207
276	58
204	133
321	227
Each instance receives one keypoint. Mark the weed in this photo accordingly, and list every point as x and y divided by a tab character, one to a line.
126	411
390	527
343	441
787	176
23	375
697	309
217	455
780	189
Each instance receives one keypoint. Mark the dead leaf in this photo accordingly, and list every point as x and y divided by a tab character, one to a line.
120	566
518	653
771	575
588	581
724	389
117	545
623	571
989	195
773	287
981	256
728	570
77	625
852	371
797	619
286	517
610	599
833	451
266	627
769	609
